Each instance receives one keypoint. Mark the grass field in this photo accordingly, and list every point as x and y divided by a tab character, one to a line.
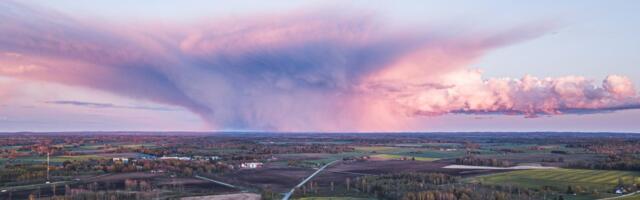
434	154
90	147
331	157
602	181
77	157
398	157
377	149
411	152
333	198
632	197
54	159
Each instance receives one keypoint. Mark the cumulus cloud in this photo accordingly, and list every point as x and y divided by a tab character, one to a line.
315	70
466	91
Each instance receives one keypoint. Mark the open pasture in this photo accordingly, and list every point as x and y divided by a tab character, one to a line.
334	198
399	157
411	151
584	182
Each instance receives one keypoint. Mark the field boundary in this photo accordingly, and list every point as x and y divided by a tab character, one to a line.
623	196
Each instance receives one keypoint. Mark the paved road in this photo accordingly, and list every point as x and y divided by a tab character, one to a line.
288	194
619	197
34	186
218	182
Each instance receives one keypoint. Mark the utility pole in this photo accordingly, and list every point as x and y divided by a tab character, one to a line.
48	168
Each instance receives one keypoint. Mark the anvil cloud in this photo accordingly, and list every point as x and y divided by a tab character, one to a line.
312	70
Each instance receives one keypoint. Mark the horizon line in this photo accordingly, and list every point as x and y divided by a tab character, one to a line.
311	132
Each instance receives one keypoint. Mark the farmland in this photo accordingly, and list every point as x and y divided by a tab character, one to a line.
334	198
368	166
586	182
399	157
630	197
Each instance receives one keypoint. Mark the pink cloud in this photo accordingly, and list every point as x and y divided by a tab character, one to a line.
466	91
295	71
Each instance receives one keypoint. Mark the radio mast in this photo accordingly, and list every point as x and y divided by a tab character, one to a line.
47	167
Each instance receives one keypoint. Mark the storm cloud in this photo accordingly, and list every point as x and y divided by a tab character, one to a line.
311	70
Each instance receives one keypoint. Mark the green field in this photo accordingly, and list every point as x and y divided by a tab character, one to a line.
411	152
333	198
77	157
587	181
313	159
53	159
632	197
398	157
378	149
434	154
331	157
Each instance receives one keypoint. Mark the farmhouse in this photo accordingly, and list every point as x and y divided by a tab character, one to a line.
620	190
174	158
121	159
206	157
251	165
148	157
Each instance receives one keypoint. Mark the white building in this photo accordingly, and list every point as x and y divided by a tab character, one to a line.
174	158
121	159
206	157
251	165
620	190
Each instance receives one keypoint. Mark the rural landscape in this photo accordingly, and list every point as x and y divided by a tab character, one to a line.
319	100
416	166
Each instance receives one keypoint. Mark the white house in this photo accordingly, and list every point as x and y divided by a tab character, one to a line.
251	165
620	190
121	159
174	158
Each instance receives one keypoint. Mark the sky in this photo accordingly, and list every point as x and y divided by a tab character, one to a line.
335	66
